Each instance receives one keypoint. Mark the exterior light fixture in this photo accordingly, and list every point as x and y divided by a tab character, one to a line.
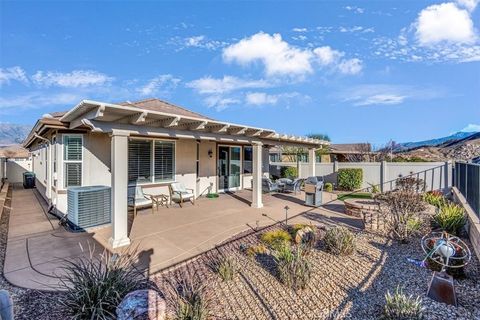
210	153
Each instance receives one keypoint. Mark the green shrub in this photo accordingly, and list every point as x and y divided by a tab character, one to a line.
191	297
94	287
276	238
225	267
350	179
328	187
289	172
451	218
293	267
401	306
434	198
339	241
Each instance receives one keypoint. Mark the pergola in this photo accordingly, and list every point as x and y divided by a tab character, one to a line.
121	122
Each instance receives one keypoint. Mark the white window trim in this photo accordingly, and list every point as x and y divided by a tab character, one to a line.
71	161
152	168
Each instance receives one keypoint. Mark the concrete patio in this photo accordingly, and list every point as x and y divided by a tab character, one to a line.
37	244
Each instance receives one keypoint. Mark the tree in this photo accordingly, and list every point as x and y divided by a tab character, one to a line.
360	152
319	136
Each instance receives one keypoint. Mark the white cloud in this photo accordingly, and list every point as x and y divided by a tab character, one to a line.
161	84
471	128
281	58
200	41
278	57
326	56
355	9
470	5
444	22
74	79
299	29
356	29
220	103
39	99
260	98
381	94
209	85
350	66
12	74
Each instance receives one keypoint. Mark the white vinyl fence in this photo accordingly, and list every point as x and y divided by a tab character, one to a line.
435	175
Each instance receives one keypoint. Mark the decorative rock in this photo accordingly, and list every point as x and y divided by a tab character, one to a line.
142	304
304	235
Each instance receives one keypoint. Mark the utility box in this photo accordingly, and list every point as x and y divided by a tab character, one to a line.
313	191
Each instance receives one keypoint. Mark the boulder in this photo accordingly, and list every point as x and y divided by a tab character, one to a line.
142	305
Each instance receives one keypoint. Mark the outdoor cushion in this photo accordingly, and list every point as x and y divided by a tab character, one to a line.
178	187
185	195
136	197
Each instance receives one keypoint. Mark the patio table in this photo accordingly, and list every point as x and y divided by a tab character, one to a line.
158	200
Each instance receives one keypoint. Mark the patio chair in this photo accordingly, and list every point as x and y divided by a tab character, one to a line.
137	199
269	186
291	185
179	194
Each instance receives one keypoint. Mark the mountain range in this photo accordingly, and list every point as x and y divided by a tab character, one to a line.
13	133
437	142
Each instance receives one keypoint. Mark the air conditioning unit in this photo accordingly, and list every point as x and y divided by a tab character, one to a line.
89	206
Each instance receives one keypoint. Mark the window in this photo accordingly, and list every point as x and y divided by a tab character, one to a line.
274	157
247	159
72	156
150	161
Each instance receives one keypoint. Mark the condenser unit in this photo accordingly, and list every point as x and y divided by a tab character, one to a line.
89	206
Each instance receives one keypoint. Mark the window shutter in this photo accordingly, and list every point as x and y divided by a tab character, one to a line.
73	174
164	161
139	161
73	148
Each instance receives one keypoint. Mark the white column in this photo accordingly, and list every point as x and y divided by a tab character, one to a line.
119	175
257	176
311	161
49	164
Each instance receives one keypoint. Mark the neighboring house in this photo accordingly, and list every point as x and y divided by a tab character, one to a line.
351	152
15	161
291	154
149	143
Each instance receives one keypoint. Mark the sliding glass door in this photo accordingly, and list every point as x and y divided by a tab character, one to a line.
229	168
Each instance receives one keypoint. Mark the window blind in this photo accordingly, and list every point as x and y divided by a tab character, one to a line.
164	161
73	174
72	155
72	148
139	161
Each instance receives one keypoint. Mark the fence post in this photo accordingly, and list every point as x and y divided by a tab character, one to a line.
383	175
446	171
335	166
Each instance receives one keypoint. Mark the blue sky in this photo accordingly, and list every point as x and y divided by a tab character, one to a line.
358	71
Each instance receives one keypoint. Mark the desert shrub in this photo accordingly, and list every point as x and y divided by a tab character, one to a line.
293	266
350	179
96	285
410	184
339	241
403	212
252	251
434	198
451	218
190	296
276	238
328	187
288	172
403	307
374	188
225	267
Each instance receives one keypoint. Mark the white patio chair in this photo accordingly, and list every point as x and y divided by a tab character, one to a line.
137	199
179	194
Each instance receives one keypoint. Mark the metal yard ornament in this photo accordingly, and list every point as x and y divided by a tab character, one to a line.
449	252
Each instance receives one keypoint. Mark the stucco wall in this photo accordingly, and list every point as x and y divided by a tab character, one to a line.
16	168
436	175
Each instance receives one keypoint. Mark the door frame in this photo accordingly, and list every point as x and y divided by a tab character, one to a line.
240	187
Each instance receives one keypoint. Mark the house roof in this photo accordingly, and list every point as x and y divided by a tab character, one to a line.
154	117
350	147
154	104
14	151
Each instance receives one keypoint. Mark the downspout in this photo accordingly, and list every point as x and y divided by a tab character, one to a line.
49	174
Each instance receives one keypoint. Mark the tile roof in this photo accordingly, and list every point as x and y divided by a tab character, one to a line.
154	104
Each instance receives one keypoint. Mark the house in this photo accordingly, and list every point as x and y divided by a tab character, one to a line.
351	152
151	143
14	161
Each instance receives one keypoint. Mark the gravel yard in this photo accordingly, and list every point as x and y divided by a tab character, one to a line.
28	304
351	287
